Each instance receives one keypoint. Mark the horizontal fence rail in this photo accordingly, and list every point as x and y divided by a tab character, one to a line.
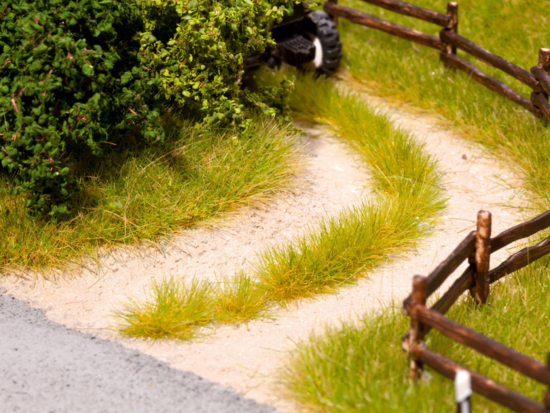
520	259
449	41
413	11
480	384
490	82
476	248
520	231
484	345
448	266
368	20
489	58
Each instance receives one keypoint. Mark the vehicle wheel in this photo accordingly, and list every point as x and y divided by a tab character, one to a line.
325	37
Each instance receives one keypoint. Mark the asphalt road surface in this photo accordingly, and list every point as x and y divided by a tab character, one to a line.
46	368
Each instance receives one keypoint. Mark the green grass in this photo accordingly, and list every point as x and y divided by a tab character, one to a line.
405	201
140	194
239	298
173	310
407	72
402	208
360	366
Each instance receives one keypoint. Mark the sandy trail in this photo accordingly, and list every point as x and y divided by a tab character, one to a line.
247	357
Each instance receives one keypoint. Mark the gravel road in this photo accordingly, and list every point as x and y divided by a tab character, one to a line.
44	367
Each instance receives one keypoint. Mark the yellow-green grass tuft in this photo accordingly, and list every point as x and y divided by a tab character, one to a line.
175	309
239	299
403	207
405	201
138	194
172	310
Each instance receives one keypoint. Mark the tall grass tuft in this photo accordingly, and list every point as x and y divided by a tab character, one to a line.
173	310
145	193
404	204
239	299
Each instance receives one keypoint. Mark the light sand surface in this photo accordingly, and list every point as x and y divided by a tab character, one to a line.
247	357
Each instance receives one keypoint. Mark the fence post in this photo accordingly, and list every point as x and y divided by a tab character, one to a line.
416	335
452	12
544	64
333	18
539	97
544	59
482	256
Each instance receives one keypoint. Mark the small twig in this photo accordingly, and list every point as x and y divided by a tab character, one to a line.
14	104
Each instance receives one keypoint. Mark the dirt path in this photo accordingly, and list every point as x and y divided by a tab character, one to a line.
246	357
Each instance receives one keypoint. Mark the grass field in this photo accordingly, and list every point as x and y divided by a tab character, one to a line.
402	208
361	367
140	194
406	72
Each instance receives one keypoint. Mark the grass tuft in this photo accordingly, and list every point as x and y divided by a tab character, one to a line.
404	205
140	193
239	299
172	311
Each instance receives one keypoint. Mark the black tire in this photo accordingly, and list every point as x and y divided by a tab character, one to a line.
325	36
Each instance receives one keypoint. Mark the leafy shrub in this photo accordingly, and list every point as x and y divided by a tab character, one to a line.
70	80
198	47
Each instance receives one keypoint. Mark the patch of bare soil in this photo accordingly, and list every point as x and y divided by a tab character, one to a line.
247	357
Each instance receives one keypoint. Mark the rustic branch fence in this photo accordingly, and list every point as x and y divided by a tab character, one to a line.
477	248
449	41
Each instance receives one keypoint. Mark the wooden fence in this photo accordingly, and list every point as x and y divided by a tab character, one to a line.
477	248
449	41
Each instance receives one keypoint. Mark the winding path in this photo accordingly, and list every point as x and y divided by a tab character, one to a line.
247	357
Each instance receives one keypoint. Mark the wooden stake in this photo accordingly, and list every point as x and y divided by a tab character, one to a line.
544	64
482	256
544	59
331	16
541	91
416	336
452	12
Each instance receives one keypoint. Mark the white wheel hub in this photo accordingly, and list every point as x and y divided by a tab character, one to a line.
318	59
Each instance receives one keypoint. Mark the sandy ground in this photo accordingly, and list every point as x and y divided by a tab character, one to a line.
247	357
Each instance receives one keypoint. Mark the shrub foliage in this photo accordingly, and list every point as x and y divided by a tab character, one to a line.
198	47
69	76
75	74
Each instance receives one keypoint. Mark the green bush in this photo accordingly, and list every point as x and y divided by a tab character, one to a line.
198	47
75	75
70	80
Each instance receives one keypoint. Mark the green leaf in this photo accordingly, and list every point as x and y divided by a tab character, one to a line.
87	69
126	77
